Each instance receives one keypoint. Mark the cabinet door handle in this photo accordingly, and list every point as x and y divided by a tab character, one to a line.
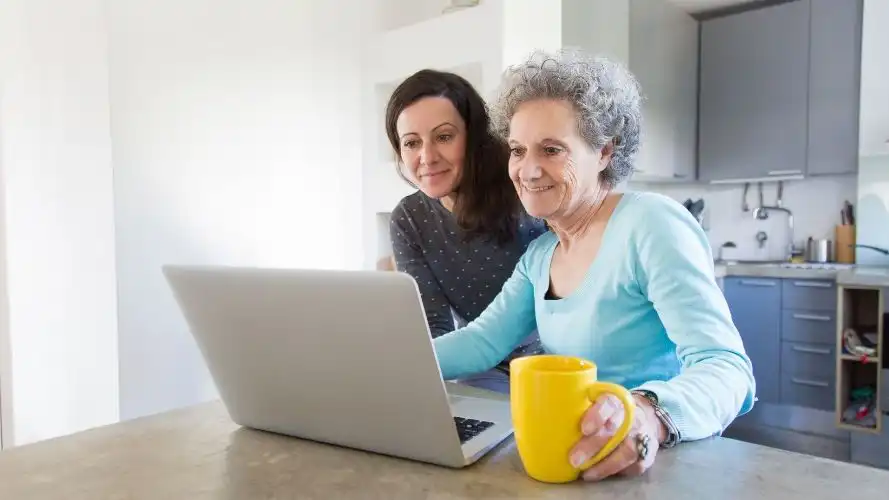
811	317
813	383
813	284
785	172
758	282
811	350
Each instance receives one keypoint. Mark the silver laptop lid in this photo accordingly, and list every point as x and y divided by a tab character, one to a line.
343	357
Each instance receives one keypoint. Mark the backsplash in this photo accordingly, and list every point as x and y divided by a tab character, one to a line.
873	209
815	204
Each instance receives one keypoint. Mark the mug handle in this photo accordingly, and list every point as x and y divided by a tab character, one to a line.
626	399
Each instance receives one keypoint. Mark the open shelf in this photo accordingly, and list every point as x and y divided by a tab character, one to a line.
859	371
859	359
857	389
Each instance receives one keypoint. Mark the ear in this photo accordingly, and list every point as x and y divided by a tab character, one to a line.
605	155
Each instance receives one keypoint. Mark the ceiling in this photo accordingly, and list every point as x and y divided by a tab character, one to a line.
698	6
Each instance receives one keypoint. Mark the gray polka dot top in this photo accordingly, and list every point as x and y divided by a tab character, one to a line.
457	279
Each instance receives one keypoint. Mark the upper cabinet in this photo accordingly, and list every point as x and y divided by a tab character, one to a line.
874	119
663	55
834	72
753	99
779	92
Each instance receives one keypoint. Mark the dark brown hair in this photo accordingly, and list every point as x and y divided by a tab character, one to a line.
485	202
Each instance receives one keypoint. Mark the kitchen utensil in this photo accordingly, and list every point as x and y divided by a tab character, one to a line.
818	250
848	214
845	243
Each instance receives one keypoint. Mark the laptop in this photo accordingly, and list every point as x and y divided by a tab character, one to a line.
334	356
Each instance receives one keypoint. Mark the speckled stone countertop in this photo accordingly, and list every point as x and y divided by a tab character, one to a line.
199	454
842	274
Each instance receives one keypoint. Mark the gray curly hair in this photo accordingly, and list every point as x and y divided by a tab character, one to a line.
605	94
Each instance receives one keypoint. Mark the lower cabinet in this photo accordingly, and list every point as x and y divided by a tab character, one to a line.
755	304
789	329
872	449
808	375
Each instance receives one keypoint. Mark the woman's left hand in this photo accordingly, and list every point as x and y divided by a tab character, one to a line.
600	423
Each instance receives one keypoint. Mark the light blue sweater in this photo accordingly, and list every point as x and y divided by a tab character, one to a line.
649	313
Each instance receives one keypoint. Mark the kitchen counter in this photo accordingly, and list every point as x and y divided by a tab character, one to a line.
199	454
844	274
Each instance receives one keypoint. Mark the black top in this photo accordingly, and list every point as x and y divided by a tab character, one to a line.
457	279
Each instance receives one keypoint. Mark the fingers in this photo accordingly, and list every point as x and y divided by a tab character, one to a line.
598	426
605	409
588	446
623	458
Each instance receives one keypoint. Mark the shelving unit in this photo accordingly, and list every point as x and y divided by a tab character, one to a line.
860	308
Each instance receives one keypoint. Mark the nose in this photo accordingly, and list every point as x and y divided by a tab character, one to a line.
530	170
429	154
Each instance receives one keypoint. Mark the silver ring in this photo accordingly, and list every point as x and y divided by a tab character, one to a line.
642	448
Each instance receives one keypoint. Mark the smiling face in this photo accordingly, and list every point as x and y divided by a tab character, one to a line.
432	145
552	167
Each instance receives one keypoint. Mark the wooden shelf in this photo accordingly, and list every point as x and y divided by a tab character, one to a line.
859	428
857	359
859	308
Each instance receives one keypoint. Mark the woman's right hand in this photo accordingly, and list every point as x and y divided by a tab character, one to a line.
599	424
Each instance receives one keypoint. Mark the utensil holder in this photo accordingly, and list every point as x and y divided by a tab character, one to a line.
845	243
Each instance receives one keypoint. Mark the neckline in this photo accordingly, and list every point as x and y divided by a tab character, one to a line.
548	260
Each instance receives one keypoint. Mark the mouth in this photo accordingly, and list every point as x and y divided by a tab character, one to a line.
434	174
537	189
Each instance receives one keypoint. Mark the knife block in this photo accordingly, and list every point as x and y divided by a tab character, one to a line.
845	244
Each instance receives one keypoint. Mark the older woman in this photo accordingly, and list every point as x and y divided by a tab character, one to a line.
624	280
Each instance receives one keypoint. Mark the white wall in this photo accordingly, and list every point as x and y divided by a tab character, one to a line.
55	156
872	216
815	204
236	131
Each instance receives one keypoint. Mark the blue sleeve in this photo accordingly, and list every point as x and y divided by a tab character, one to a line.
499	329
675	271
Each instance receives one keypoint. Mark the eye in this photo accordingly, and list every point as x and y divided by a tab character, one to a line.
517	151
445	137
552	150
410	144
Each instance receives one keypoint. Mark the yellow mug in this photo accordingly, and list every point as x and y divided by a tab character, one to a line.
549	395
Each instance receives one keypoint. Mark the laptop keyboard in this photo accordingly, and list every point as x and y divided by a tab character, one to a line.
468	428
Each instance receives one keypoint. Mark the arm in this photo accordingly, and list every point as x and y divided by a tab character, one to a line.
675	272
499	329
409	258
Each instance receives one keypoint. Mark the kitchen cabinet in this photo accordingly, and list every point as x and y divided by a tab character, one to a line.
788	327
835	59
755	304
663	53
753	105
874	115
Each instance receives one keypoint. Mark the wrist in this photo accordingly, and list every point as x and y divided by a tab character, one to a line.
660	430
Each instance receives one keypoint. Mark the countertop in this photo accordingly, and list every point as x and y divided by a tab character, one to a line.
199	454
845	274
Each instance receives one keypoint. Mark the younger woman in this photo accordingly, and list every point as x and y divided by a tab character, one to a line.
462	233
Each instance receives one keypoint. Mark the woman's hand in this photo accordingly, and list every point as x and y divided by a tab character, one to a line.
600	422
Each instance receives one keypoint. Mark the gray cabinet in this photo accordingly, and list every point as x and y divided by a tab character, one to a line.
753	109
834	80
789	331
755	304
663	48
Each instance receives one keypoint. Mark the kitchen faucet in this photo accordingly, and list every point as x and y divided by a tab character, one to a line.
761	212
